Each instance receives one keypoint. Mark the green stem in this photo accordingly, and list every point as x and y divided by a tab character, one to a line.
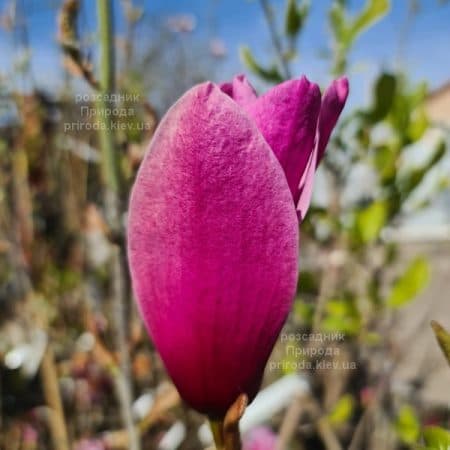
110	160
107	60
112	198
217	431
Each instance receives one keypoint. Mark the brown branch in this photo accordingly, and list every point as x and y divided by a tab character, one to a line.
57	423
23	208
166	400
290	423
357	442
68	38
324	428
327	434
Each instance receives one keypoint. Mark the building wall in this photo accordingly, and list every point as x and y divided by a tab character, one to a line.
422	359
438	105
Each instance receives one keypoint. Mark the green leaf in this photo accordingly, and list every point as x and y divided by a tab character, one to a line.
418	95
418	125
304	312
412	179
290	55
295	17
338	21
372	338
308	283
342	316
384	94
272	74
443	338
347	30
370	221
291	361
410	284
405	111
407	425
373	11
342	411
293	21
385	162
436	438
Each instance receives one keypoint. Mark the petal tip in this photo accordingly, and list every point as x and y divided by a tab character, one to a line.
203	93
239	89
301	86
204	89
342	88
304	79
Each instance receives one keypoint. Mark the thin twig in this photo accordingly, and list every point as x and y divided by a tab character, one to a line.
110	160
327	434
165	401
290	423
330	271
70	43
122	377
323	426
112	187
276	40
50	385
357	442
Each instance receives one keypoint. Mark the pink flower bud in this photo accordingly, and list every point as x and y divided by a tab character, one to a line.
213	231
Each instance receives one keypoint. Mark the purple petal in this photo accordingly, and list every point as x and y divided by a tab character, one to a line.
333	102
306	186
240	90
260	438
287	118
332	105
213	245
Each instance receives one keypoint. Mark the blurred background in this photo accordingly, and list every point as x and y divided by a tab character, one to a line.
83	85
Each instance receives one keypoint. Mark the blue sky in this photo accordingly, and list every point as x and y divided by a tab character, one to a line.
239	22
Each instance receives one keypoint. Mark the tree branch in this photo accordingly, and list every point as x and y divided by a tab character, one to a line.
276	40
50	385
112	198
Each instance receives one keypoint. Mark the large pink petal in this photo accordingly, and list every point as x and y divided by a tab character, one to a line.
287	117
213	246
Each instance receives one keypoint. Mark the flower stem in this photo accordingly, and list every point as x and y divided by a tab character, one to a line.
217	431
226	432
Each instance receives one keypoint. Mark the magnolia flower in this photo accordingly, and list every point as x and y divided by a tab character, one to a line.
213	229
